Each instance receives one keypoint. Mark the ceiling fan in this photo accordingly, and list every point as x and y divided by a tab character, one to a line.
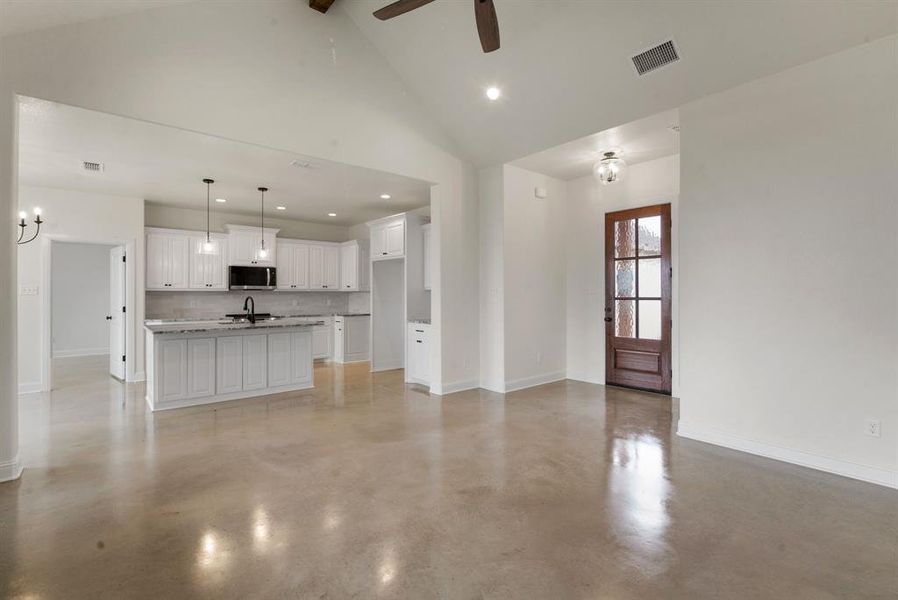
484	13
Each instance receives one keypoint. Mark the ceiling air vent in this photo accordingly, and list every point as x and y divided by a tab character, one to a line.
655	58
92	167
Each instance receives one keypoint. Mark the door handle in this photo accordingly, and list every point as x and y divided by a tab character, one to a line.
108	317
607	319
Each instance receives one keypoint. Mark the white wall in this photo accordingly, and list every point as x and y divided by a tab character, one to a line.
491	193
341	102
10	467
522	278
74	217
789	260
652	182
156	215
80	303
534	287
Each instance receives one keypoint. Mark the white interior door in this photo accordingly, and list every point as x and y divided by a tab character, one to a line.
117	312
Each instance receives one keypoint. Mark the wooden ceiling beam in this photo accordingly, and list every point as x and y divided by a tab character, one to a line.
321	5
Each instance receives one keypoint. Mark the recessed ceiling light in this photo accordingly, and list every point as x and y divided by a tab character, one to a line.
281	207
332	214
220	200
385	196
493	93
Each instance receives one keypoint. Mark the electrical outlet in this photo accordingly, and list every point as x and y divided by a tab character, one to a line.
539	358
191	303
873	427
328	301
295	302
28	290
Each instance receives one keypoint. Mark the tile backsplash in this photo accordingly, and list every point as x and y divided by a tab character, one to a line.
180	305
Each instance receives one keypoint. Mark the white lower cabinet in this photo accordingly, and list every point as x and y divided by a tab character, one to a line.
191	368
172	370
280	364
301	366
200	367
229	364
351	338
417	354
255	362
323	339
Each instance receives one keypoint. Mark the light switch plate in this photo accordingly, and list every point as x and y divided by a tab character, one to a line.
28	290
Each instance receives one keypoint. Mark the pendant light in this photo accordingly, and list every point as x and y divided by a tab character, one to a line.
611	168
209	246
262	253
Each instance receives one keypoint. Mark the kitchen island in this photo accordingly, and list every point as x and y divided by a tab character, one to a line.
206	361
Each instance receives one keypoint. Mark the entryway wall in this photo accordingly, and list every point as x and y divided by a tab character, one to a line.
74	217
80	302
652	182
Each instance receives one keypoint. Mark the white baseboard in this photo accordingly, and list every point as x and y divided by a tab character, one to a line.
453	387
138	377
80	352
533	381
576	376
10	469
31	387
837	466
493	386
387	366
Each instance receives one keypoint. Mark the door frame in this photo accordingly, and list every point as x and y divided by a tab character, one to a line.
122	265
47	306
667	288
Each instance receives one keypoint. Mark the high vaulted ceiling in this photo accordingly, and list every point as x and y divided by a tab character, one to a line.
19	16
564	66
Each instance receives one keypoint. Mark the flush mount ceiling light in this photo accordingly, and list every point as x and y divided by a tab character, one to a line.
220	200
262	252
332	214
281	207
208	246
385	196
493	93
611	168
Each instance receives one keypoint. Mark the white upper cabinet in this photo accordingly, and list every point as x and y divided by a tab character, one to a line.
168	260
388	238
353	266
245	242
208	271
427	256
292	266
324	267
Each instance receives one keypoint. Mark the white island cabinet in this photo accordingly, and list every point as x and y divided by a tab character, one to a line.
204	362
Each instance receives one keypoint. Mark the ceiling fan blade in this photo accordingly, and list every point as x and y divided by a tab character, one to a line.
487	24
400	7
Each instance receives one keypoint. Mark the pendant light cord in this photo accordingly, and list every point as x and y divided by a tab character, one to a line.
208	183
262	191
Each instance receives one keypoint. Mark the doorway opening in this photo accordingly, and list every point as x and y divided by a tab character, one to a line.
88	311
638	280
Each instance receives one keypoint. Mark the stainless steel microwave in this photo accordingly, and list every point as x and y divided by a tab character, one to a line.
252	278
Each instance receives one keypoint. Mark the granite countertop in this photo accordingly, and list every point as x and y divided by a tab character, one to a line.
199	325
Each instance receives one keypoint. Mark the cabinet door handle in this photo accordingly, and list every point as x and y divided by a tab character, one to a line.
419	331
418	341
384	253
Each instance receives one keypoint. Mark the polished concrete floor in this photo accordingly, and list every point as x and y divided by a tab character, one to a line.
367	488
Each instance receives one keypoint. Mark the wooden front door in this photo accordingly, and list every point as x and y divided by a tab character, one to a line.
637	298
